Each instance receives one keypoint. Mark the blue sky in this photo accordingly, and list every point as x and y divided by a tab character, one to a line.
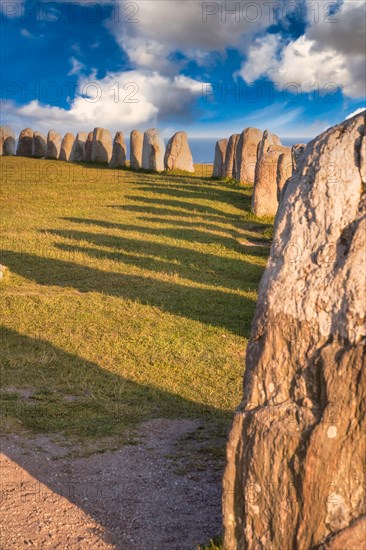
210	68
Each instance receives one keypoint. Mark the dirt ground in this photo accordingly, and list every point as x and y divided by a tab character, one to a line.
136	498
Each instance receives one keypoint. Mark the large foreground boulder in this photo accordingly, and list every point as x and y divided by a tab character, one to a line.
136	144
38	146
66	146
153	151
220	157
231	165
101	150
178	155
78	147
295	473
25	142
7	141
53	145
246	154
88	147
119	153
297	151
264	198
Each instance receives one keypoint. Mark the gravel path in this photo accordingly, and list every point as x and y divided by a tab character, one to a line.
132	498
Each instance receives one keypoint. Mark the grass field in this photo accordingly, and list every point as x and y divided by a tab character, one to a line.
129	296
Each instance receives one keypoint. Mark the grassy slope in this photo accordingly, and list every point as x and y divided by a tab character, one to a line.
129	296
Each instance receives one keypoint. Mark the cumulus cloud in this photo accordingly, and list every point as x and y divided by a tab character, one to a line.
119	100
332	51
191	27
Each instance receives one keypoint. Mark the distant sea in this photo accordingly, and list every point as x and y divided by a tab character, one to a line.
203	149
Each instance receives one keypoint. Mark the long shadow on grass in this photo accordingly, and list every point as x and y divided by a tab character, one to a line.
163	211
176	232
212	307
202	192
180	231
184	205
214	269
77	397
102	404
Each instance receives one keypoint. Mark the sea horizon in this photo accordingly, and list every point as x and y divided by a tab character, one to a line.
203	149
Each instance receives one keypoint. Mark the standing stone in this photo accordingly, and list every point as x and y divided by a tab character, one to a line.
153	150
66	147
88	147
101	151
265	143
119	153
78	148
264	198
295	472
53	145
25	141
220	157
136	144
284	170
38	145
297	151
7	141
276	139
231	167
246	154
178	155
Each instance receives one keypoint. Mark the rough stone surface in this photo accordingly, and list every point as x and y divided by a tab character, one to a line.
66	146
220	158
38	145
25	141
119	153
264	198
78	148
295	473
178	155
153	151
276	139
265	143
297	151
246	154
53	145
231	165
88	147
101	150
136	144
7	141
284	170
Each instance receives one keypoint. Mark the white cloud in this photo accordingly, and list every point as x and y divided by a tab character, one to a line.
120	101
328	53
76	66
192	27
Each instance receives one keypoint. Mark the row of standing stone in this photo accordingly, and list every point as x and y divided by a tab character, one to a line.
147	150
261	159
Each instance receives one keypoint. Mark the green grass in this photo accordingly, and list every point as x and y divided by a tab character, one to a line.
129	296
214	544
